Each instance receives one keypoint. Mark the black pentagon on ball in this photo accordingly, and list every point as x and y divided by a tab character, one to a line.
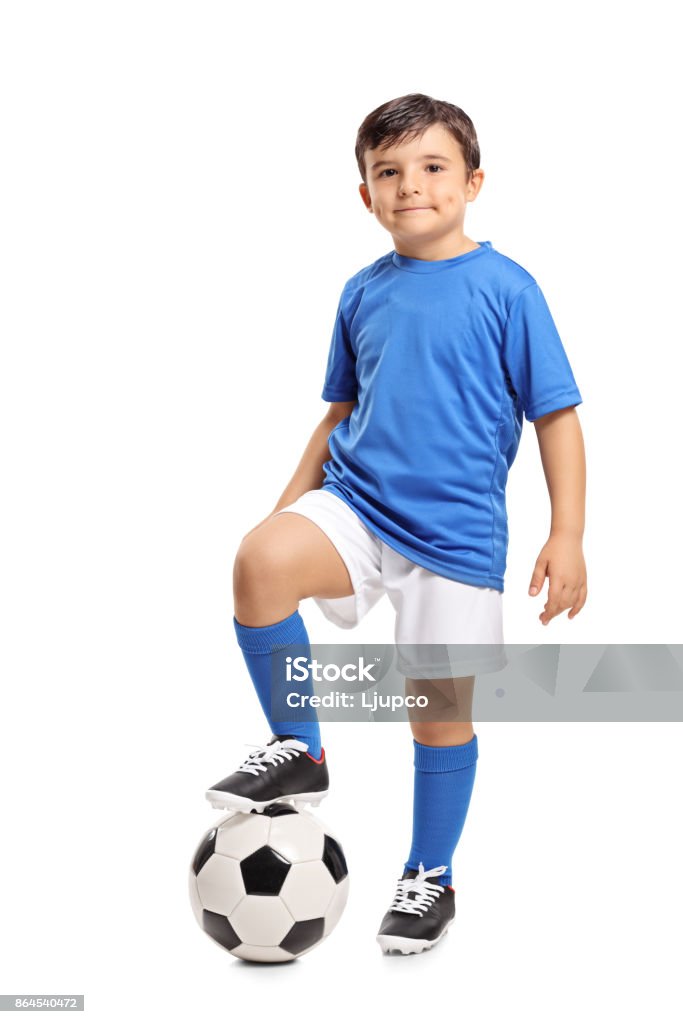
205	850
302	935
276	810
220	929
334	860
264	872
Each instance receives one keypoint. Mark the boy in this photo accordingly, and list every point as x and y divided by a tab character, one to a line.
439	349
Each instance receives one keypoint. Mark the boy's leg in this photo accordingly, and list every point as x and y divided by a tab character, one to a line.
445	755
285	560
282	561
445	629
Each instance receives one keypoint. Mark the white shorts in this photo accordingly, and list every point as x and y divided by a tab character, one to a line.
463	622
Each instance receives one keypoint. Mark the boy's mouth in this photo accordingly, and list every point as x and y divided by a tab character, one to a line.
413	209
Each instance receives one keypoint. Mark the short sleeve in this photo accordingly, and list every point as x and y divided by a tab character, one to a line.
340	384
535	358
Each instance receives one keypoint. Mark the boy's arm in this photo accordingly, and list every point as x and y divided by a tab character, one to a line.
560	441
309	474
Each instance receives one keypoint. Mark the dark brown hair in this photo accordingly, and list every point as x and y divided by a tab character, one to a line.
408	117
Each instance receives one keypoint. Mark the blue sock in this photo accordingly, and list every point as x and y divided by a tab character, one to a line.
265	649
444	779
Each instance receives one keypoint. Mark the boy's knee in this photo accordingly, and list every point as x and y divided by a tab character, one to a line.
259	560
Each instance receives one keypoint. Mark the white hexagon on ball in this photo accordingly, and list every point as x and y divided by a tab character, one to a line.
261	920
307	890
220	885
241	834
297	838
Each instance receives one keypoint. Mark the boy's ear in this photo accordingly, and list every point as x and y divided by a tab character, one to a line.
475	183
365	196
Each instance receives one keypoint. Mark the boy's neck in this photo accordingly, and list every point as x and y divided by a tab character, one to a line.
439	249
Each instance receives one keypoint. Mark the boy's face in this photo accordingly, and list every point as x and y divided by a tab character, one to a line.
419	193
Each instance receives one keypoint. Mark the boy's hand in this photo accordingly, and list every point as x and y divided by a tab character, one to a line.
561	559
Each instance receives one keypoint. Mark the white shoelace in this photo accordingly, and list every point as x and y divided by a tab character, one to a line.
272	753
425	892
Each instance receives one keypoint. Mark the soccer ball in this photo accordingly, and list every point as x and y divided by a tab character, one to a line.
269	886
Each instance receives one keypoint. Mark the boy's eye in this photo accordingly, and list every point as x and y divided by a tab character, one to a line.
390	170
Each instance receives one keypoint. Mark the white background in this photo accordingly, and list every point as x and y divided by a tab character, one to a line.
179	214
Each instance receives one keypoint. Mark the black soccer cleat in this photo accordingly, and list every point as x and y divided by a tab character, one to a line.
420	915
283	770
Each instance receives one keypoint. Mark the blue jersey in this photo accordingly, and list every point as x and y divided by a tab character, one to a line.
445	358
